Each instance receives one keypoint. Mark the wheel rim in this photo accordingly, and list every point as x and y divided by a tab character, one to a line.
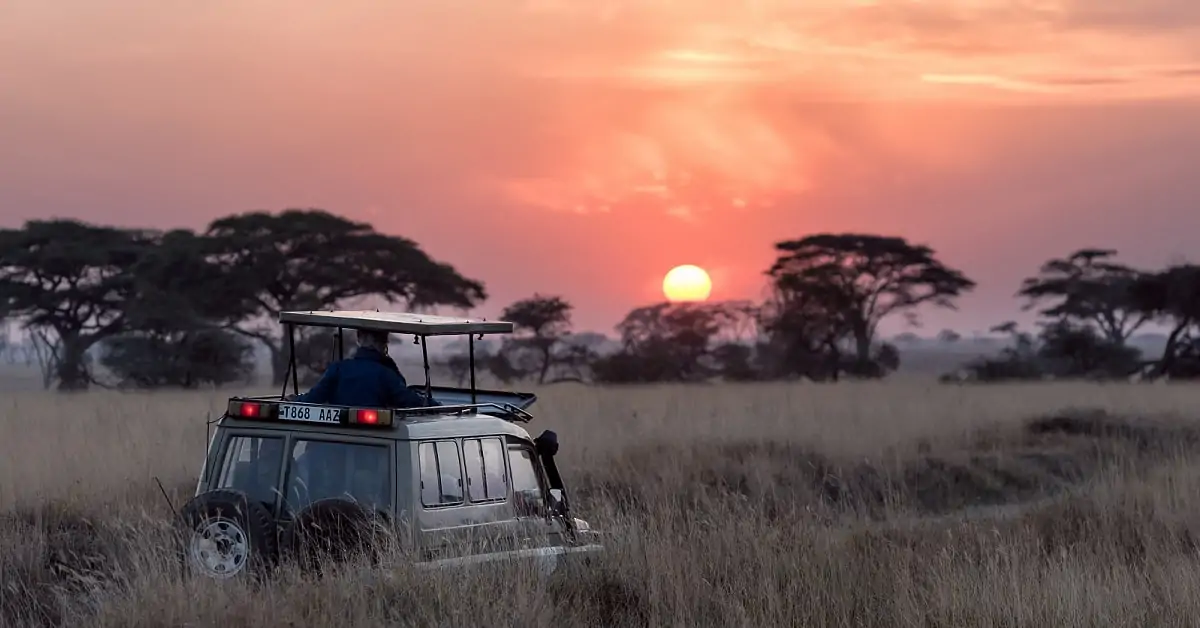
219	548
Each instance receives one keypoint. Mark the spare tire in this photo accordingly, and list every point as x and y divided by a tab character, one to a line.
226	534
332	529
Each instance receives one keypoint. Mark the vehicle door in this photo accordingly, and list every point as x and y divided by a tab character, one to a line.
320	466
250	461
463	497
529	490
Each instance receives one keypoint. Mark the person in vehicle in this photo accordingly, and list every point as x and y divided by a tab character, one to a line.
368	378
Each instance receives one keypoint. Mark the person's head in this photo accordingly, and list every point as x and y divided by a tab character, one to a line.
377	340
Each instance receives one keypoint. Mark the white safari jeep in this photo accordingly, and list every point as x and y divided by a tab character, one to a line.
457	483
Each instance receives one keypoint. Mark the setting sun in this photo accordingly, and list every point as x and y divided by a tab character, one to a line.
687	283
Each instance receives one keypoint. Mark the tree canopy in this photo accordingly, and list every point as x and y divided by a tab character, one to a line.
312	259
1088	287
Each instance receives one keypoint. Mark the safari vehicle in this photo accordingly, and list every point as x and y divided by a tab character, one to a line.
456	483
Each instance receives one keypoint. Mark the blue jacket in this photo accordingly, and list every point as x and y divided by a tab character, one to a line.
368	378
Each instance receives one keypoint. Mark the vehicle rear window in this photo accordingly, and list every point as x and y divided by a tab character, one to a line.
252	466
324	469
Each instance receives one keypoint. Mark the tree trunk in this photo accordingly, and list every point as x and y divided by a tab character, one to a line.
71	369
833	365
545	365
1111	328
862	347
1168	357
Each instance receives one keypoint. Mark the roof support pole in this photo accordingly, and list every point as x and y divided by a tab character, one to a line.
425	359
471	351
292	361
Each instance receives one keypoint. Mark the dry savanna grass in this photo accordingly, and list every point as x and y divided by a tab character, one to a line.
866	504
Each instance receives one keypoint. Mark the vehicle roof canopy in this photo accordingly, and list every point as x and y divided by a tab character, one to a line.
396	322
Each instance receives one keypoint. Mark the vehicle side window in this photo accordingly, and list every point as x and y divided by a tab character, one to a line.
527	490
325	469
484	458
441	473
252	466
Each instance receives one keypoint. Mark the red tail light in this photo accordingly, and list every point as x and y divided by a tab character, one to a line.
251	409
371	416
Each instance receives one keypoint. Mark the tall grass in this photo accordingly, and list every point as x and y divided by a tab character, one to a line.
759	505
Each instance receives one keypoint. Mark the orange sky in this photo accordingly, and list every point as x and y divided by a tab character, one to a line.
584	148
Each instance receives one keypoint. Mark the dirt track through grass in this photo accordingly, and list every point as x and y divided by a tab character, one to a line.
855	504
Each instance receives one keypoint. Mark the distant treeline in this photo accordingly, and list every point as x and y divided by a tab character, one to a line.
184	309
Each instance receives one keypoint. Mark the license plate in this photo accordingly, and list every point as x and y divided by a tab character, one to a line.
310	414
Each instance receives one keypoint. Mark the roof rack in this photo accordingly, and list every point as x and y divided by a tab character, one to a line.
506	411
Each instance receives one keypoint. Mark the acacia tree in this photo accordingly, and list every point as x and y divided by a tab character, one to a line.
541	324
667	342
1172	295
1088	288
805	325
311	259
176	319
858	280
68	282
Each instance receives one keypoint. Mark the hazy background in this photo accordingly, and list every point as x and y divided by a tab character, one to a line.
584	148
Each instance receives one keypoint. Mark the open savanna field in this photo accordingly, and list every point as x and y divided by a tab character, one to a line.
903	503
